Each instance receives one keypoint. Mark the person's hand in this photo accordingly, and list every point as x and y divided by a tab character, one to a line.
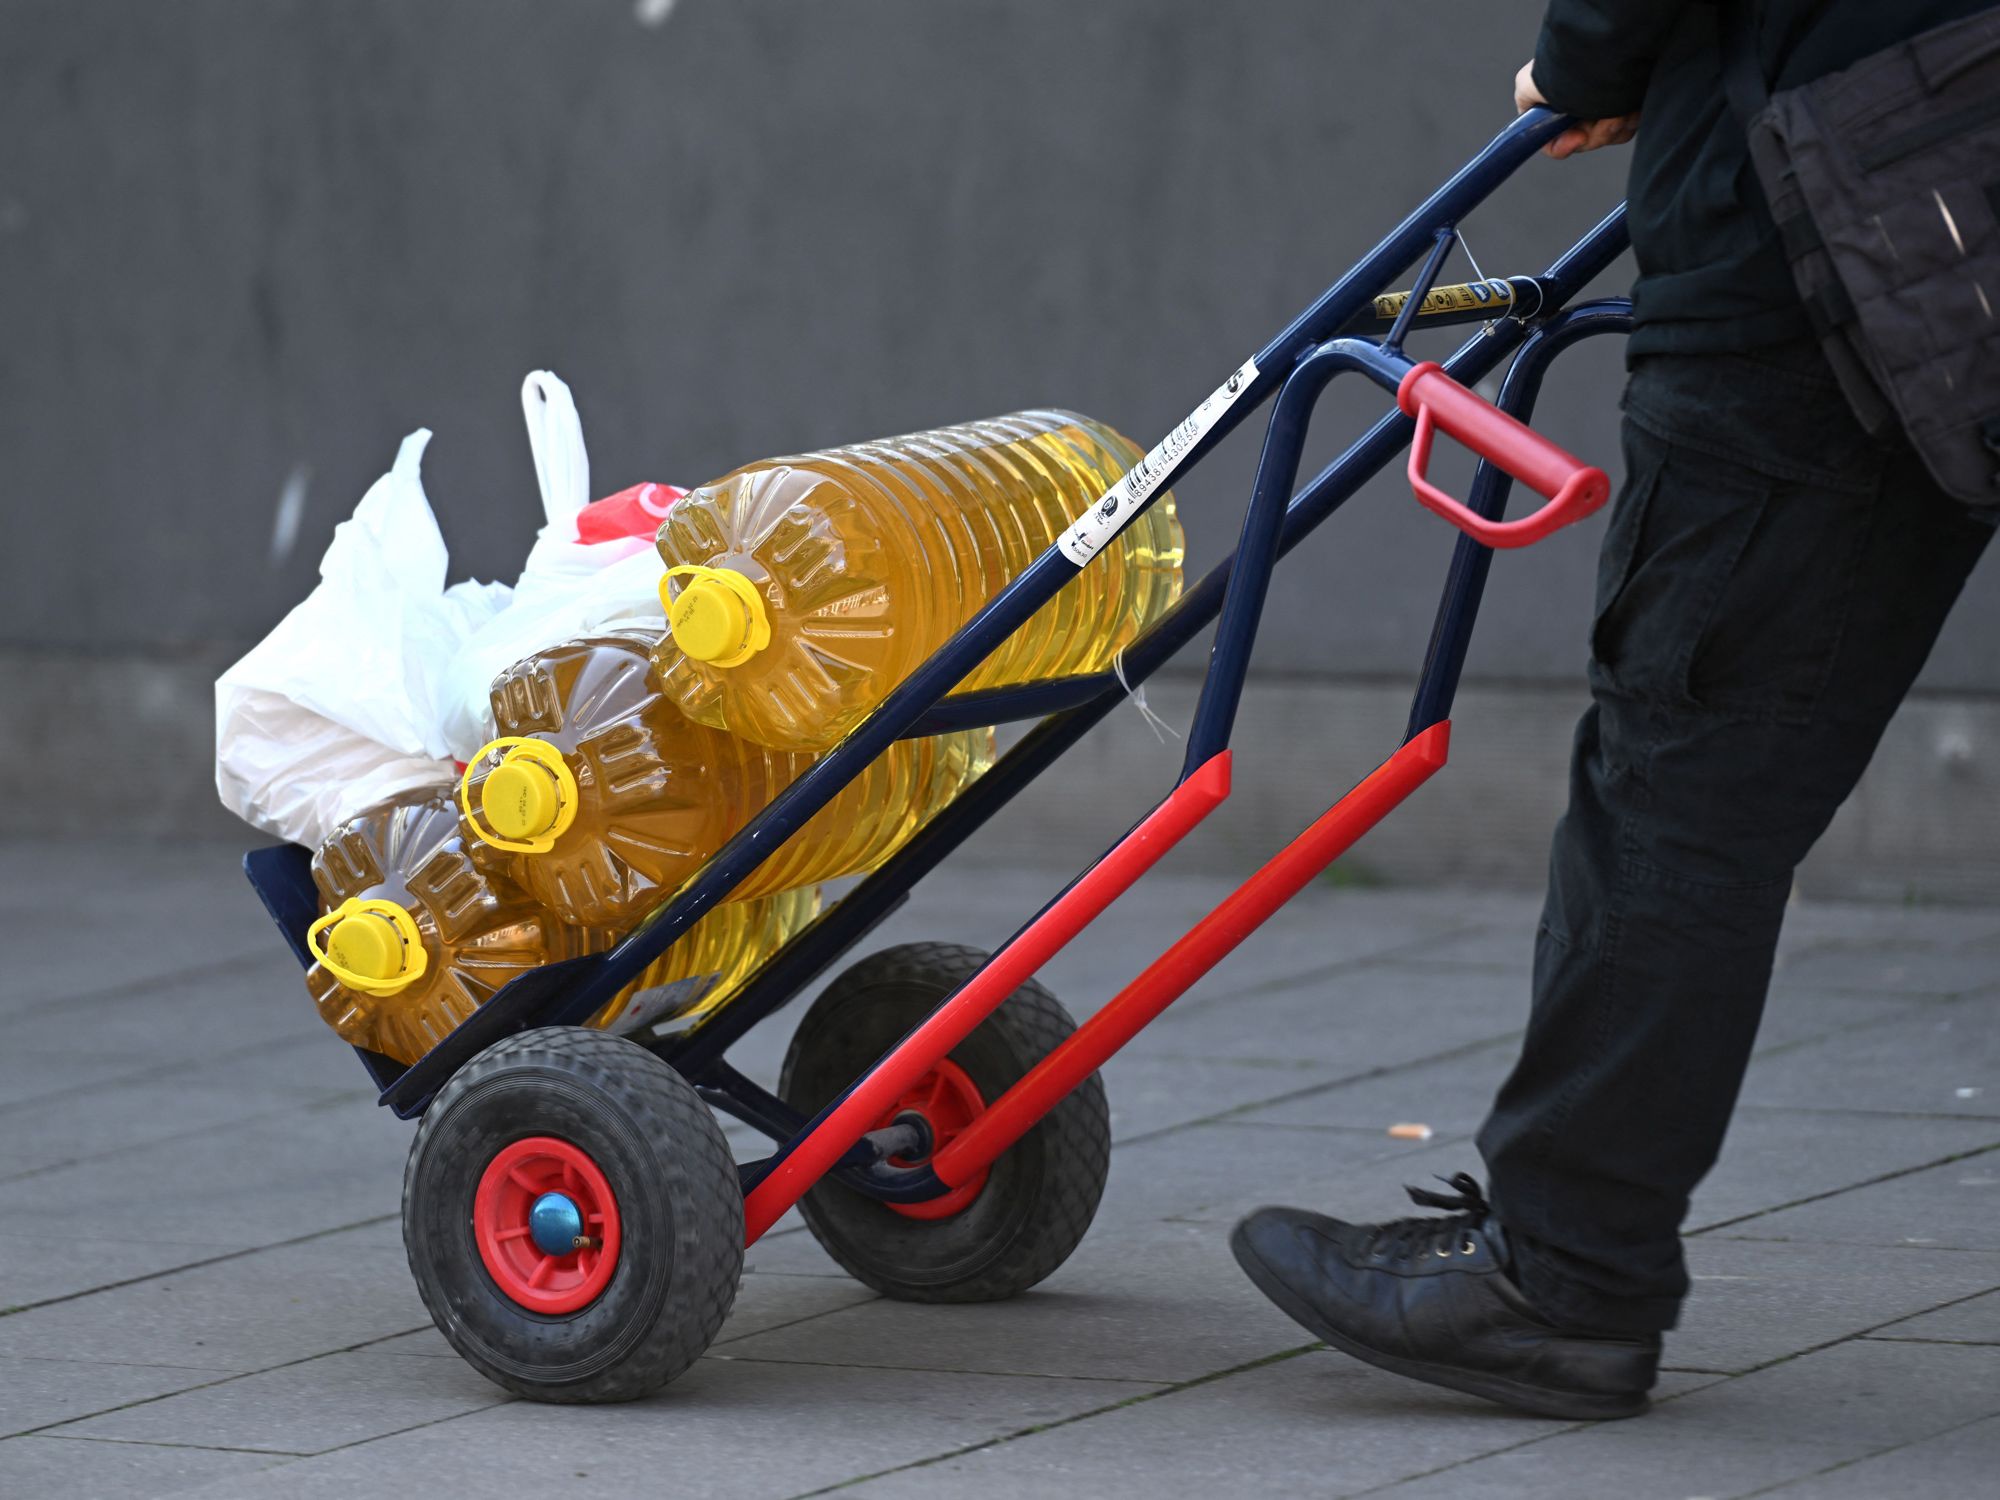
1588	136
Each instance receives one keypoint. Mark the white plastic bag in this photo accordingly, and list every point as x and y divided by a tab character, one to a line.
337	708
290	772
567	588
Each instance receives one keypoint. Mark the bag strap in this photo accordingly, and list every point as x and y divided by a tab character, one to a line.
1828	308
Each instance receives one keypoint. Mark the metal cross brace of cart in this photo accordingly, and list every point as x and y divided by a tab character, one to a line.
574	1219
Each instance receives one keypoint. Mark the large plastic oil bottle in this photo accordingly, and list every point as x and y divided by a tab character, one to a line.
611	798
709	963
421	927
800	591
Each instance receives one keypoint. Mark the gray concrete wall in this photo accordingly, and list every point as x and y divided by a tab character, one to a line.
246	243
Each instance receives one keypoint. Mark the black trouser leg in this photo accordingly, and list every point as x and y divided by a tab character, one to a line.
1770	584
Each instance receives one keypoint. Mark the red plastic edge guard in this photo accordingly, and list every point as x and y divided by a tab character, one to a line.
1114	874
1573	488
1206	944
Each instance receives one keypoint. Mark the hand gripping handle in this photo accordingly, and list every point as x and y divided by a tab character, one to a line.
1573	488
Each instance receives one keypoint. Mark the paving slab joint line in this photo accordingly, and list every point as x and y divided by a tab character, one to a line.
1929	948
1529	1442
1455	1053
501	1398
1663	1401
124	1364
1727	1376
261	958
1084	1416
196	1265
1860	1333
85	1437
824	1312
49	1429
1904	1248
1982	991
1847	1463
834	1364
166	1067
1953	1116
803	1275
1222	1116
1902	1338
1370	1132
318	1099
1847	1028
1279	984
1942	1161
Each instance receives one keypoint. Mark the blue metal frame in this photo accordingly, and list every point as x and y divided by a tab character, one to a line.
1465	583
1296	366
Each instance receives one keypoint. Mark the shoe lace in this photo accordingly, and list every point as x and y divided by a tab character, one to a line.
1407	1239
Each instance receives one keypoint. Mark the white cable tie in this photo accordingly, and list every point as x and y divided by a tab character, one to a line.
1160	727
1481	275
1466	245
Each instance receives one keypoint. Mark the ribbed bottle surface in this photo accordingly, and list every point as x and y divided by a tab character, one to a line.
728	944
478	928
657	794
868	557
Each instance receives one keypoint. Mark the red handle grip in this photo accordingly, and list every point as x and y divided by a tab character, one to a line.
1572	487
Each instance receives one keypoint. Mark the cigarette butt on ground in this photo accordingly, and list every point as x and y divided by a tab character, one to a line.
1408	1131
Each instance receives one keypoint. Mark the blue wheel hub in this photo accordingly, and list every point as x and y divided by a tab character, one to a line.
554	1224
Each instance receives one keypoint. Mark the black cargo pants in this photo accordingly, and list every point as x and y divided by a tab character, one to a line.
1770	583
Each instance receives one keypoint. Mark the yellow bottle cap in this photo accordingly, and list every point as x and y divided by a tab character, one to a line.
529	798
717	617
366	945
519	800
374	946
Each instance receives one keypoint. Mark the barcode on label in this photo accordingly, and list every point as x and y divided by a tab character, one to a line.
1085	537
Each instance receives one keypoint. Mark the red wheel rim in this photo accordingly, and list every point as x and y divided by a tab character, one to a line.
948	1100
508	1189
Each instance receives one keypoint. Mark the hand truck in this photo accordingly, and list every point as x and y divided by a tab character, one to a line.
574	1217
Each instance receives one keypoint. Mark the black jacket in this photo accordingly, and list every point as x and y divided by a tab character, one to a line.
1710	272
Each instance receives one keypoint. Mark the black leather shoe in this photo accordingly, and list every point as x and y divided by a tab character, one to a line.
1431	1299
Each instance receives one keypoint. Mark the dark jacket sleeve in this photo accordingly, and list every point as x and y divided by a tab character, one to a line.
1594	56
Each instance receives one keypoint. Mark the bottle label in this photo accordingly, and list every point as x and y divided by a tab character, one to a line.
649	1007
1085	537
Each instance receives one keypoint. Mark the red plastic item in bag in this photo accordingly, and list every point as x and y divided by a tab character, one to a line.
637	511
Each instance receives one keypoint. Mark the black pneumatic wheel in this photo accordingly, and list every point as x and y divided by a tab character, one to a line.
991	1239
573	1217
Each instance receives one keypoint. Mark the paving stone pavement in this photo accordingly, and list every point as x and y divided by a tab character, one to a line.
203	1289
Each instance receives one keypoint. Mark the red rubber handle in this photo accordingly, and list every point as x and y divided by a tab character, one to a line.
1572	487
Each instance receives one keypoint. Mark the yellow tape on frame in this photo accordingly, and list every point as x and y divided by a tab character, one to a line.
1472	296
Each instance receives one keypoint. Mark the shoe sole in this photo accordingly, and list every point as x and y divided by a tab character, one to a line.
1540	1401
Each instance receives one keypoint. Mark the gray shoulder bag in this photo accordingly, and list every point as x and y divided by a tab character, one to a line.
1884	183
